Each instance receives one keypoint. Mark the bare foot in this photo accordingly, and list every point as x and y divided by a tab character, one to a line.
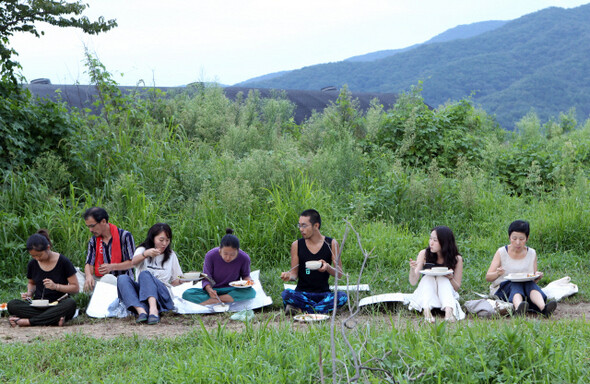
61	322
428	316
13	320
449	316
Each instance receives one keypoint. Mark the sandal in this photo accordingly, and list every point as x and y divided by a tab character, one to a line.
141	318
13	321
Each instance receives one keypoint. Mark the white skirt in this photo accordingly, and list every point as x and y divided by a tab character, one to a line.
436	292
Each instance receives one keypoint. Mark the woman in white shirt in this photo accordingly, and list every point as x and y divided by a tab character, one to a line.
518	258
438	291
157	269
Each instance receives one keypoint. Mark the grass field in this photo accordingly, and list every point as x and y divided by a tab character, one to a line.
487	351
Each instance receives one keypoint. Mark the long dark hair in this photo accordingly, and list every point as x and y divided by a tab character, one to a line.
448	247
154	231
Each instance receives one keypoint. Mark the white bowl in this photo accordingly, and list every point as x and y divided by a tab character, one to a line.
191	275
39	303
313	264
220	308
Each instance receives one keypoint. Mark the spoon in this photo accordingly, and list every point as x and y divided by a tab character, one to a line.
58	300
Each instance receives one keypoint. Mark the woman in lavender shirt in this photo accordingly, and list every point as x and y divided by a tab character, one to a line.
223	265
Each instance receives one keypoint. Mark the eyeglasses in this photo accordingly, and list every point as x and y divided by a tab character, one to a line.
302	226
91	226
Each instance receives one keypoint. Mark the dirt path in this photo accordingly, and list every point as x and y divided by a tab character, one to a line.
176	325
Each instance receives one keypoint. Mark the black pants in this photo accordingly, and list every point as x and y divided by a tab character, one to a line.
43	316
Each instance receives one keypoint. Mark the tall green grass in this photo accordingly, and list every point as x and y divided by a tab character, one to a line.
201	163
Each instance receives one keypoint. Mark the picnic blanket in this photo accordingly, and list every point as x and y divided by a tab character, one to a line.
490	305
105	301
348	288
188	307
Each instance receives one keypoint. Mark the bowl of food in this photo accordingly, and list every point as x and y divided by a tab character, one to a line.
220	308
439	269
313	264
40	303
191	275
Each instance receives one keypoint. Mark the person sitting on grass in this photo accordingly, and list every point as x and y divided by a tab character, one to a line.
223	265
312	294
110	249
157	269
518	258
51	276
438	291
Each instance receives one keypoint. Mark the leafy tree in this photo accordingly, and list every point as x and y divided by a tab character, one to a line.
23	16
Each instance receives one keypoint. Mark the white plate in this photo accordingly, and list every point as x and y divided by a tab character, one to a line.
429	272
520	278
43	305
311	317
240	284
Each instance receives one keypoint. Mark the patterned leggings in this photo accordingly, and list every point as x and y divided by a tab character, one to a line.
312	302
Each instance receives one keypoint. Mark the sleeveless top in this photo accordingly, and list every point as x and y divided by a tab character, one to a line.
313	281
510	265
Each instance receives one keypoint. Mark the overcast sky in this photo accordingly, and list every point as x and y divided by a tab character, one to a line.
176	42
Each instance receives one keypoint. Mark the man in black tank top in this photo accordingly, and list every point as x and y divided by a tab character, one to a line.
312	294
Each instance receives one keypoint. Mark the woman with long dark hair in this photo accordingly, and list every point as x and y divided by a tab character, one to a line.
51	277
157	269
438	288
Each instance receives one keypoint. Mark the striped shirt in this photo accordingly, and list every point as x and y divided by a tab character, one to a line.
127	249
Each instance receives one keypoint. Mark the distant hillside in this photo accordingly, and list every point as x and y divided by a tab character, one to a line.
459	32
539	61
263	77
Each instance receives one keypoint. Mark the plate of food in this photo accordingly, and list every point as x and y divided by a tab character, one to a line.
436	271
242	283
308	317
3	306
521	277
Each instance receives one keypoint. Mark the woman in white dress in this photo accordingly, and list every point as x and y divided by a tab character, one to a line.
438	291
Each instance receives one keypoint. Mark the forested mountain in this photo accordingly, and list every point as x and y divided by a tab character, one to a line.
539	62
459	32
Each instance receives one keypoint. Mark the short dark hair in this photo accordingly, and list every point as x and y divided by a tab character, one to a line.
229	240
314	216
97	214
519	226
39	241
154	231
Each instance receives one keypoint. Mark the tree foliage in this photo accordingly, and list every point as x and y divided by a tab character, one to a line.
23	16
